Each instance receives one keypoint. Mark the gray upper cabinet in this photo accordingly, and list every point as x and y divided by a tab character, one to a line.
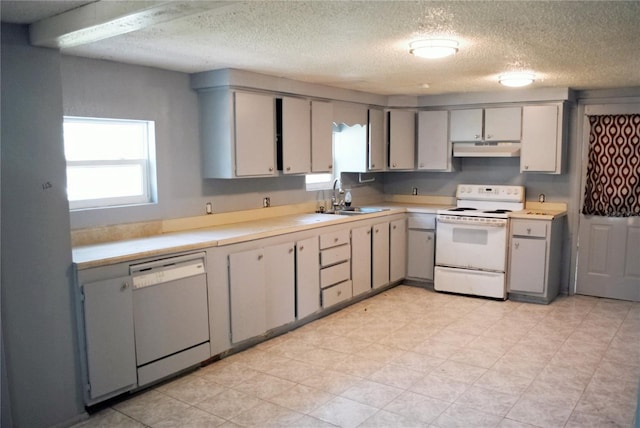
375	140
434	146
238	133
295	136
466	125
490	124
401	133
542	139
321	136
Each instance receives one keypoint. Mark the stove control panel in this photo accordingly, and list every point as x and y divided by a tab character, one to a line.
490	193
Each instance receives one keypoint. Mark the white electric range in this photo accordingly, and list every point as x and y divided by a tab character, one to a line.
472	238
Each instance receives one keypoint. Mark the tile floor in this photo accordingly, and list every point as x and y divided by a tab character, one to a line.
410	357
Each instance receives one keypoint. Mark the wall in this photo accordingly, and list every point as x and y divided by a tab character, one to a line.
98	88
37	307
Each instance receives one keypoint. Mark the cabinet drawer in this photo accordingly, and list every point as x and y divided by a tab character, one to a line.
336	294
422	221
334	274
334	255
529	228
334	239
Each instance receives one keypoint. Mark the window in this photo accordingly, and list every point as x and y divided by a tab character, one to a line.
318	181
109	161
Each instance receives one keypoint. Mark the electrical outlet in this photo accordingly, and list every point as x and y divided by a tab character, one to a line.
209	208
266	202
414	191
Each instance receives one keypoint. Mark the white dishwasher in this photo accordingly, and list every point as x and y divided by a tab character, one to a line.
171	316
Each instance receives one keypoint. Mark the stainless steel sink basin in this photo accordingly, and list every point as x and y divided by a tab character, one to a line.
359	211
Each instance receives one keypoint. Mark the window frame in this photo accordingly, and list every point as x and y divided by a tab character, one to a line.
146	165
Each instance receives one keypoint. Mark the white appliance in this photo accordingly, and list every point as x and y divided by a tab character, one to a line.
171	315
471	240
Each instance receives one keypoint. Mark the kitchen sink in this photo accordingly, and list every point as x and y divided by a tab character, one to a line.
358	211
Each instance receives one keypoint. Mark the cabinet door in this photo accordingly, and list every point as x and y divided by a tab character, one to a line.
255	136
296	136
361	259
528	268
108	322
321	136
375	139
540	151
307	277
402	139
248	294
280	284
434	147
380	254
466	125
421	253
397	249
502	124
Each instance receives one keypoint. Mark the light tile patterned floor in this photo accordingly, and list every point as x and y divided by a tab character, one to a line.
410	357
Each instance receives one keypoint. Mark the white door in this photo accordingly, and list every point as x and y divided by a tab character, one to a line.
321	136
307	277
361	259
608	247
255	132
248	294
380	254
296	135
397	249
280	287
402	139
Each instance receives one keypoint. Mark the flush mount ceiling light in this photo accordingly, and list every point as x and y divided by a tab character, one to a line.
516	79
433	48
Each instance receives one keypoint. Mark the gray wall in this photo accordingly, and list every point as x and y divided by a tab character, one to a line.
37	306
97	88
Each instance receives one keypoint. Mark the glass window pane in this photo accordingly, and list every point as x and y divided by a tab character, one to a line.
104	139
104	181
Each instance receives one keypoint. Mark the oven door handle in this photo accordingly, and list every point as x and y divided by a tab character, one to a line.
471	223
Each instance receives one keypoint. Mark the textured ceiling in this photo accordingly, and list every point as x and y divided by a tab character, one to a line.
364	45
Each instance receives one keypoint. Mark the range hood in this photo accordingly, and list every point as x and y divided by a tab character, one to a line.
486	149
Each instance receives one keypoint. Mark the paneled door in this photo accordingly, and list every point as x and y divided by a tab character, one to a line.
608	247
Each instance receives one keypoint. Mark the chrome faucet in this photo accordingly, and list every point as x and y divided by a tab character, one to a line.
336	203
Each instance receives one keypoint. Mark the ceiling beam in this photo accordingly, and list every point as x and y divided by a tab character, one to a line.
104	19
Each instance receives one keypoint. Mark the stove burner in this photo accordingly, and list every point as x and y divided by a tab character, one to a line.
463	209
498	211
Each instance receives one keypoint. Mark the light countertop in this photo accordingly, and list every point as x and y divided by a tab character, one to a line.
103	254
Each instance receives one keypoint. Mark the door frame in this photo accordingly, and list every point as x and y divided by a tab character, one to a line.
590	107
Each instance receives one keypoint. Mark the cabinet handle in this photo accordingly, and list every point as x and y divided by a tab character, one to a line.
376	230
421	165
290	250
301	247
270	169
368	232
528	231
394	226
394	164
288	168
124	286
339	292
477	137
330	166
428	238
373	165
489	135
517	245
260	256
335	239
526	167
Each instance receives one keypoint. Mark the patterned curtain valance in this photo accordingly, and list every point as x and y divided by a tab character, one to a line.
613	170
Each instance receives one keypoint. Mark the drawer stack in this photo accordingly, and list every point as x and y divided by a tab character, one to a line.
335	267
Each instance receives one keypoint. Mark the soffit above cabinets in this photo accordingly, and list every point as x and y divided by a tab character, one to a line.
360	45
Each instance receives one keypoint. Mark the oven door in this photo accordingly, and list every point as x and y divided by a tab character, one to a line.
473	245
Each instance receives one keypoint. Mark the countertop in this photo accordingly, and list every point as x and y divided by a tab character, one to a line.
108	253
103	254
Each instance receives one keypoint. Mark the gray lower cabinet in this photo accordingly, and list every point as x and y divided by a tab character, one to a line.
307	277
335	267
380	254
421	246
262	288
109	336
361	259
397	249
534	259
